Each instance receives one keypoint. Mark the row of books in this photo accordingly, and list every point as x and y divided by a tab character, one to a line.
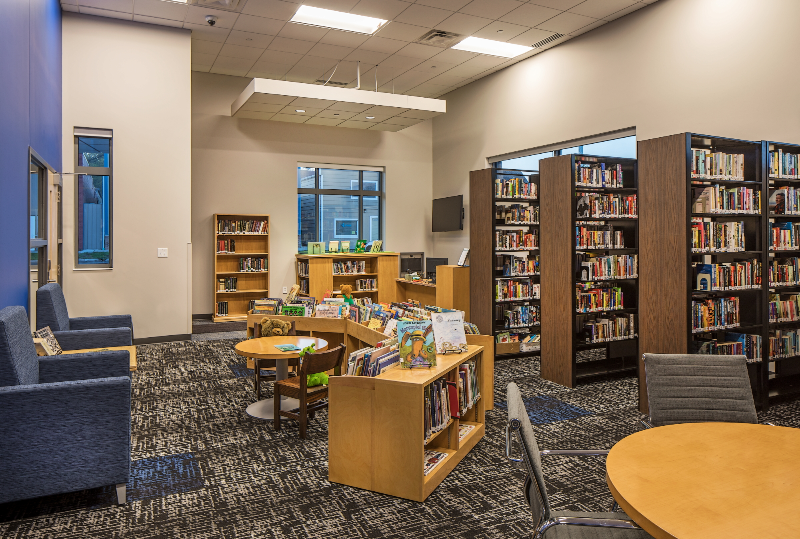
522	316
596	205
713	314
524	337
784	271
728	276
719	199
302	268
606	329
517	214
517	265
303	286
784	308
242	226
784	343
431	460
469	390
510	240
226	246
598	175
253	264
784	236
717	236
516	289
590	299
222	308
734	344
349	267
598	237
437	405
783	165
598	268
515	188
375	360
227	284
717	165
784	201
366	284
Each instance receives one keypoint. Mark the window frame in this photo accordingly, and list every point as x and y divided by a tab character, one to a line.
95	171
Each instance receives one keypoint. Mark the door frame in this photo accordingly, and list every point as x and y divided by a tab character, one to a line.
51	241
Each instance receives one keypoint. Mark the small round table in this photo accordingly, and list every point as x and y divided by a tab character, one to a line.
264	348
708	480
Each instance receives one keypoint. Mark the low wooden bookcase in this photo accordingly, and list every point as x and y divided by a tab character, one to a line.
315	274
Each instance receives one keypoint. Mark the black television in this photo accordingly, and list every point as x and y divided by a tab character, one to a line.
448	214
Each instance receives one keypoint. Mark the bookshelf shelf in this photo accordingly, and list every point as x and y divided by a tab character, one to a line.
443	431
319	278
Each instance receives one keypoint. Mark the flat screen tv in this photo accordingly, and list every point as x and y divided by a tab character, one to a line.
448	214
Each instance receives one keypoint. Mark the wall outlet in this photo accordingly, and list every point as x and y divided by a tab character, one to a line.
162	252
285	289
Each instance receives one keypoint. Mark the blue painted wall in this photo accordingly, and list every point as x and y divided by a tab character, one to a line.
30	115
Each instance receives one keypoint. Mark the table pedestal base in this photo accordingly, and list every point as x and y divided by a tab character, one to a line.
265	409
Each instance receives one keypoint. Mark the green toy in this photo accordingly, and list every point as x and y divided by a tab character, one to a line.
317	379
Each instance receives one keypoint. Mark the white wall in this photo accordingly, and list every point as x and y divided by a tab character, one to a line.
250	166
135	79
718	67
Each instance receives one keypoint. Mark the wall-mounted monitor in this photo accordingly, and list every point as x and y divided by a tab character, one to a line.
448	214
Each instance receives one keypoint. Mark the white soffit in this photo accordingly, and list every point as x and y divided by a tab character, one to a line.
297	102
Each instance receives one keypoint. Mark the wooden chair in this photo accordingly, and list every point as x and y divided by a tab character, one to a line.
269	364
311	398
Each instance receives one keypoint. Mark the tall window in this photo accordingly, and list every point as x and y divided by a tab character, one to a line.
93	190
618	147
338	204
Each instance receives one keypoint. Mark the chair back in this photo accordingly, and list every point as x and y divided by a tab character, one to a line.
686	388
19	364
323	361
51	308
519	423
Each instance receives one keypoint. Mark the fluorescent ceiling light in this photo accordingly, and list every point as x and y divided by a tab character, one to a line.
489	46
337	20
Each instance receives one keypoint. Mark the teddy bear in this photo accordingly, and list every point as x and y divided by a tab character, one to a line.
347	293
273	327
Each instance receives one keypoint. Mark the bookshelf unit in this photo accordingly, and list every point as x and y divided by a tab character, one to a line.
486	274
376	428
229	264
668	199
566	329
315	274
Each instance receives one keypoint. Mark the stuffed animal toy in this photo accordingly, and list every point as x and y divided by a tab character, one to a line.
347	293
316	379
272	327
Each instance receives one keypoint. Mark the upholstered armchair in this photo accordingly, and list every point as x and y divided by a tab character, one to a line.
79	333
65	419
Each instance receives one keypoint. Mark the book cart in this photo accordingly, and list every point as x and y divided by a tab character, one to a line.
490	198
233	302
317	274
671	296
604	329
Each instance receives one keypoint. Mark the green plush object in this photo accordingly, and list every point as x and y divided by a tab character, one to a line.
317	379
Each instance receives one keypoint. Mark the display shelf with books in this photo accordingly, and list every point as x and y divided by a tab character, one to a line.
504	257
704	231
323	274
241	263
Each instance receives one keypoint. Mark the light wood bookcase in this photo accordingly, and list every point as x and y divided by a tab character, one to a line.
251	284
376	432
383	267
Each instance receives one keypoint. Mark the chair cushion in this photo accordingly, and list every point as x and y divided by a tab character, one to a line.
565	531
51	308
19	364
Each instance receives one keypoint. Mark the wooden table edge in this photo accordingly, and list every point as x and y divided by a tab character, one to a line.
635	515
279	355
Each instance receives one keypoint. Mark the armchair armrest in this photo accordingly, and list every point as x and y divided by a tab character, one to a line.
88	366
575	452
94	338
102	322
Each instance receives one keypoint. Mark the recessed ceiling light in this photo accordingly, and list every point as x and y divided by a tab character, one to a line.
337	20
299	110
489	46
370	117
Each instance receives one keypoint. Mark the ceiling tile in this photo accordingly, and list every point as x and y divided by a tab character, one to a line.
306	75
316	62
292	118
284	44
354	124
113	5
201	68
446	79
205	47
530	15
302	31
344	39
197	15
155	20
336	115
273	9
588	27
316	120
310	103
161	9
623	12
534	35
450	5
383	9
600	9
429	88
248	39
367	58
401	31
293	108
387	127
268	72
562	5
379	44
253	115
461	23
282	100
234	72
385	111
417	50
399	120
397	61
203	59
501	31
565	23
324	50
490	9
229	62
419	114
434	66
335	5
426	16
258	25
453	56
237	51
106	13
279	57
260	107
476	65
207	33
348	107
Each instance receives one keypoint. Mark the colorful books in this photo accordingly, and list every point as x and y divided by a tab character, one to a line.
708	165
520	187
346	246
242	226
516	240
613	267
448	331
267	306
377	246
287	347
328	310
417	347
436	407
432	459
464	430
596	205
598	175
293	291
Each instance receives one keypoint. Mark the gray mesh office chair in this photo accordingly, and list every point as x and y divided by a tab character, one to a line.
557	524
687	388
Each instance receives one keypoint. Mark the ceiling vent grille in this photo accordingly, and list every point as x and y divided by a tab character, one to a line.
439	38
227	5
333	83
547	41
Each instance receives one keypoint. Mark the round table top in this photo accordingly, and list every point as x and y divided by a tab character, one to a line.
706	480
264	347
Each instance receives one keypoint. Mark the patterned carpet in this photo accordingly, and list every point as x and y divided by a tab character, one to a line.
203	468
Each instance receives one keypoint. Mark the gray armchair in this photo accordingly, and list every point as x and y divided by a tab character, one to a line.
66	418
695	388
79	333
551	524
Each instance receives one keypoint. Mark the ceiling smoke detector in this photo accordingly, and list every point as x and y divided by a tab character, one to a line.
439	38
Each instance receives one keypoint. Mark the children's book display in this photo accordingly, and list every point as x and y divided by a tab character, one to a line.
316	247
449	335
361	246
333	246
417	347
377	246
346	246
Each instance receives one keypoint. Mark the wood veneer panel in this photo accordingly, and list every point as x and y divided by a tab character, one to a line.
557	244
663	250
481	236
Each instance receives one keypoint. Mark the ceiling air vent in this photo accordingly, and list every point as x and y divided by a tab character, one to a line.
333	83
547	41
228	5
439	38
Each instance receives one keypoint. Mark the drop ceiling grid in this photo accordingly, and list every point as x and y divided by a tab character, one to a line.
257	40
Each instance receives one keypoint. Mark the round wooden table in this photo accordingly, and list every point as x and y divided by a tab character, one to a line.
264	348
709	480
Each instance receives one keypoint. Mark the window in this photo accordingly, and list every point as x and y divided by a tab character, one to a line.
93	199
618	147
338	204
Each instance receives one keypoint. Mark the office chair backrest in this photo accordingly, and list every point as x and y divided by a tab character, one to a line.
686	388
19	364
51	308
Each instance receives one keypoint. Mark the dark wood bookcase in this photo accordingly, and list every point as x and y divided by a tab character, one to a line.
485	310
666	261
563	328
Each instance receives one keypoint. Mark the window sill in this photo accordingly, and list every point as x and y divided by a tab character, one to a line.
92	269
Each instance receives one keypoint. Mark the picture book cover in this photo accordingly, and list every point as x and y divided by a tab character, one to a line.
448	331
293	291
287	347
376	246
417	346
361	245
345	246
333	246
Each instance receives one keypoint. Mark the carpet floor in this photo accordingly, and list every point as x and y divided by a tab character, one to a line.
201	467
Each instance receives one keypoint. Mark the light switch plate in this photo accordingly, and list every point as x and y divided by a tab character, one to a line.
285	289
162	252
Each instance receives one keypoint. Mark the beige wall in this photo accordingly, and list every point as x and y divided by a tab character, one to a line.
719	67
135	79
250	166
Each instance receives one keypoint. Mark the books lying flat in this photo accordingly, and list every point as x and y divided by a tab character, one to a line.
287	347
464	430
432	460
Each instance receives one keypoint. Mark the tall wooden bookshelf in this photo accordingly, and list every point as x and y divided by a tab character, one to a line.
668	264
565	328
487	271
316	274
250	284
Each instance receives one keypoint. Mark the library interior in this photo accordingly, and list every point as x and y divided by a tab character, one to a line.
399	268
